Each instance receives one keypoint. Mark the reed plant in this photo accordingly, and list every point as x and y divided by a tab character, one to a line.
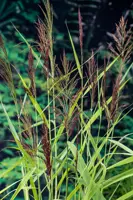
62	150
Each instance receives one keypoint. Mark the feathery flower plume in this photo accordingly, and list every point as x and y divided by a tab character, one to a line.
31	73
122	48
5	69
80	29
122	37
46	149
115	97
92	75
44	45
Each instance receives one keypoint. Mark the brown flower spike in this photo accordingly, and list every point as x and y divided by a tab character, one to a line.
46	149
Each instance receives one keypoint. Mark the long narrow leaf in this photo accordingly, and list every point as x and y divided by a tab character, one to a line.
23	182
75	55
34	102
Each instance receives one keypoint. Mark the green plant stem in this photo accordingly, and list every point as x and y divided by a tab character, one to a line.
82	98
25	190
38	165
67	167
49	119
54	114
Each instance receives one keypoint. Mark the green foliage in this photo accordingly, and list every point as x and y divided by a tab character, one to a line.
58	147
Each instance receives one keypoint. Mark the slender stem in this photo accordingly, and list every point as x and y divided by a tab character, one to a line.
53	96
35	143
67	168
82	98
25	190
49	119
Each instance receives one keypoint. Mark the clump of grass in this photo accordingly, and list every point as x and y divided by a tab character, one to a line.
82	164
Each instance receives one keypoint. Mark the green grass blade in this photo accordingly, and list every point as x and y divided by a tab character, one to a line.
33	52
101	74
7	188
119	144
81	166
126	196
117	178
16	138
75	55
34	102
73	192
126	73
99	111
34	189
15	135
121	163
5	174
23	182
62	179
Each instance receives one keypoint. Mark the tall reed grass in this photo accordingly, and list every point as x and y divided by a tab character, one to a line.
60	154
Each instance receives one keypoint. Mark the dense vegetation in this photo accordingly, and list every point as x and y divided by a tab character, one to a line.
66	130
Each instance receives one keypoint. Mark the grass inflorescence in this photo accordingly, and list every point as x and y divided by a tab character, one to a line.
63	152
